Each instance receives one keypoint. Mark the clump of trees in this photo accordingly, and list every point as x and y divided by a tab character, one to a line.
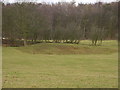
61	22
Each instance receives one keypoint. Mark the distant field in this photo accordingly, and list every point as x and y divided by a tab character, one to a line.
61	65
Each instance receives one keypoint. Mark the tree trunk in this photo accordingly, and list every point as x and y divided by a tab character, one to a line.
92	42
95	42
25	42
32	41
35	38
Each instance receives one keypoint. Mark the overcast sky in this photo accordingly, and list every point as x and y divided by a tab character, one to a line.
55	1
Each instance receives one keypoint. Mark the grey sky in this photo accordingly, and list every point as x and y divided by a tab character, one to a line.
54	1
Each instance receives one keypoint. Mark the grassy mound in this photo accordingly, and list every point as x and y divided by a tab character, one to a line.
61	48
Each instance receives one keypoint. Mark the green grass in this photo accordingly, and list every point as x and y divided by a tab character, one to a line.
50	66
65	49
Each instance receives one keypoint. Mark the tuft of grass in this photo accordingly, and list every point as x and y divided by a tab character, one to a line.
22	69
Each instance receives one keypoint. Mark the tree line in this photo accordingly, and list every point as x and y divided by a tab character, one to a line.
63	22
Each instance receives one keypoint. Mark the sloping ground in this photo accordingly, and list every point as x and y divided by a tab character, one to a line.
61	48
27	70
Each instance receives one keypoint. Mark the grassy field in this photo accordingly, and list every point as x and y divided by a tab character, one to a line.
61	66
